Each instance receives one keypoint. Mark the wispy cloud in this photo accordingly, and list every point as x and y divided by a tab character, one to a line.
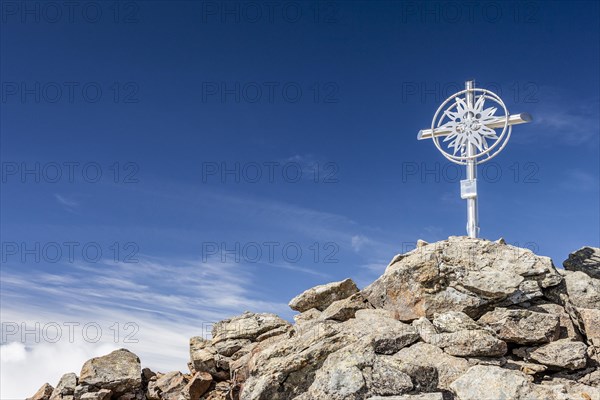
68	203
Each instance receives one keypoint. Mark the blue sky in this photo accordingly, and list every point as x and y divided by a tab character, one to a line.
169	164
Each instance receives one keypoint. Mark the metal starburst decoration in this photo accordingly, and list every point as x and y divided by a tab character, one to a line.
468	125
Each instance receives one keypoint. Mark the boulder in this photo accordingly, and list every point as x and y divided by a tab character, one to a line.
586	260
306	316
167	386
454	321
102	394
43	393
431	366
424	396
352	373
464	343
342	310
119	371
461	274
489	382
65	387
522	326
321	297
567	329
583	291
246	326
197	385
562	353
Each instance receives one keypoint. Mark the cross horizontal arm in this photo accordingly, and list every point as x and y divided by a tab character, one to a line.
496	123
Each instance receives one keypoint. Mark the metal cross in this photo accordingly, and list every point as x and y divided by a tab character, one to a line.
470	126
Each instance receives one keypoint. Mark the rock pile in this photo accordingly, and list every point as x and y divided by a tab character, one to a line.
463	319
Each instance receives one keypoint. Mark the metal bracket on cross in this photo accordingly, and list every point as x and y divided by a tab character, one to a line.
472	134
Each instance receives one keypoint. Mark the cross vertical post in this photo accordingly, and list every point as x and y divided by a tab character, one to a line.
472	217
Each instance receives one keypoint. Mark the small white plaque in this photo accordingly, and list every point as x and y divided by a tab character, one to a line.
468	189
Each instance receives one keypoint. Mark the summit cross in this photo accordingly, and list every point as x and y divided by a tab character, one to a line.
471	130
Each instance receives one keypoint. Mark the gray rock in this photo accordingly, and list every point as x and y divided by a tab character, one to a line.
342	310
321	297
230	347
352	373
197	386
246	326
168	386
423	396
460	274
454	321
425	357
465	343
566	329
562	353
306	316
586	259
522	326
102	394
489	382
583	291
119	371
43	392
65	387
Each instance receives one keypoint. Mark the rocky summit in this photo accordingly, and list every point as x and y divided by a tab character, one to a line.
463	319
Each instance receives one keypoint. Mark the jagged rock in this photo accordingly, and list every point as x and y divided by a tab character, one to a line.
590	321
562	353
454	321
424	396
342	310
321	297
246	326
282	330
525	367
352	373
230	347
119	371
584	291
167	386
566	329
102	394
460	274
488	382
65	387
197	385
465	343
391	335
522	326
431	362
586	259
43	393
306	316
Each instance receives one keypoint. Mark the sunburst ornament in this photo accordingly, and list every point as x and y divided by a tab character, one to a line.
468	125
469	128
